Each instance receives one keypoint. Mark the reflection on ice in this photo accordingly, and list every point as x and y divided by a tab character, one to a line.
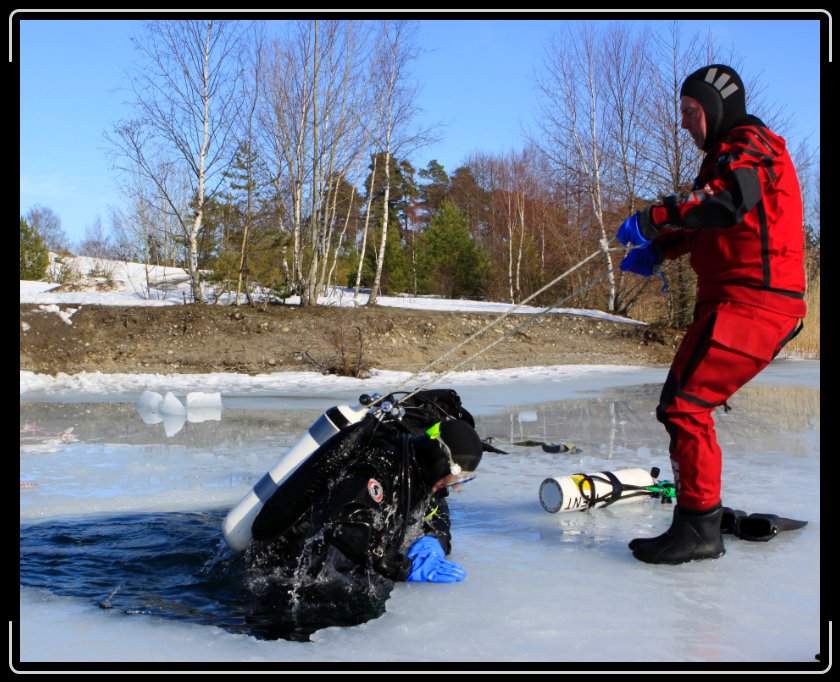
155	408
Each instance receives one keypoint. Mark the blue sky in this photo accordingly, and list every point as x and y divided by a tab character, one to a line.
476	75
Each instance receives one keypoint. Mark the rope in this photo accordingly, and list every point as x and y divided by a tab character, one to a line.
529	321
500	318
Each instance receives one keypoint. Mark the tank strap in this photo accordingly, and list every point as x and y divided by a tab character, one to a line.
617	486
618	489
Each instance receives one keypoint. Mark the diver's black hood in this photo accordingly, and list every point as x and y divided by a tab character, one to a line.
457	444
720	91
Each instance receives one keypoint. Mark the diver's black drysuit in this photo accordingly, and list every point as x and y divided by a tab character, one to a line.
365	493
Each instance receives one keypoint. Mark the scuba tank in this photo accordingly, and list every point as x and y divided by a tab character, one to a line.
585	491
236	528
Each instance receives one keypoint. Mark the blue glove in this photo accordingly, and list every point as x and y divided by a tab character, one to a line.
629	232
429	564
641	261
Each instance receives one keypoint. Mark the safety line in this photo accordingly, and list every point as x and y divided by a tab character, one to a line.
533	318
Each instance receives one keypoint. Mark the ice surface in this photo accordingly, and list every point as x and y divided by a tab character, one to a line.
560	590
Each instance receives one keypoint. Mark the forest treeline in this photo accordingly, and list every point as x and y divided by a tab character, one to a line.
276	157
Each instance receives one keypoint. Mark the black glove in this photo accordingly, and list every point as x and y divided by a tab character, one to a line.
661	217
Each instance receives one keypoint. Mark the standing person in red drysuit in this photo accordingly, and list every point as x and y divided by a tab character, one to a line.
742	224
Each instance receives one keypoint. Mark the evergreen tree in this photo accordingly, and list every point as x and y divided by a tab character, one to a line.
220	233
437	188
450	263
406	203
34	258
403	192
469	197
397	268
396	275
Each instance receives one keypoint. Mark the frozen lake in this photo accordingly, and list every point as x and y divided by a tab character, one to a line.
561	590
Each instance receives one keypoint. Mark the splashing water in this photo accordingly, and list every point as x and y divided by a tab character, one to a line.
174	565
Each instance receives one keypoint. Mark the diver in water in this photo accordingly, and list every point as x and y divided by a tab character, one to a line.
374	498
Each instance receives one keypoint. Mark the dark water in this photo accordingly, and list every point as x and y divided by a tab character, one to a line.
174	565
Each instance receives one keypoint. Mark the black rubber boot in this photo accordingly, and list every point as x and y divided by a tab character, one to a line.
692	536
635	542
729	525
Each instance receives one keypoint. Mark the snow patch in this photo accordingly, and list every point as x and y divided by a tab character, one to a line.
65	315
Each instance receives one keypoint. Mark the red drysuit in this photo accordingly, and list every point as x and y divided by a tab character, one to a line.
742	225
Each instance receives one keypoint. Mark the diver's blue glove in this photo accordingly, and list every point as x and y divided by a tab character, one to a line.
630	232
429	563
642	260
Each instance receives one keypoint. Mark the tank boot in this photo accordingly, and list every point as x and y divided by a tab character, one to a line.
692	536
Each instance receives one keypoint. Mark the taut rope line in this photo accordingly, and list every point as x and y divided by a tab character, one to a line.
533	318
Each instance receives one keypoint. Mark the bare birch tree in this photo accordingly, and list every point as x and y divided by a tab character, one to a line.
396	95
626	78
670	154
347	133
145	229
349	213
47	224
516	186
365	229
248	152
313	118
574	124
185	94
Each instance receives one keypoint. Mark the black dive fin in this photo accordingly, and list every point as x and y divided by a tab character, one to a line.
763	527
487	447
561	447
731	519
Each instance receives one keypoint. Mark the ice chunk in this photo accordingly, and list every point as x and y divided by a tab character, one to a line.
171	405
197	399
149	401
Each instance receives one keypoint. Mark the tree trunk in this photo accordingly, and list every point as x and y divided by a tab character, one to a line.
340	241
363	247
309	295
380	259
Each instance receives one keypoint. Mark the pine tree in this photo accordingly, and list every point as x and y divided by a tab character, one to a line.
396	274
34	258
437	188
451	263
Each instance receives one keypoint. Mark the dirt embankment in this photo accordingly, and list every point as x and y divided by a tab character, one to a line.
205	339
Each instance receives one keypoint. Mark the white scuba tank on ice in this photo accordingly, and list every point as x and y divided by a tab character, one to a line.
236	528
585	491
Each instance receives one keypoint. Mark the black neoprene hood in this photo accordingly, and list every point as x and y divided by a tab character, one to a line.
463	444
720	91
